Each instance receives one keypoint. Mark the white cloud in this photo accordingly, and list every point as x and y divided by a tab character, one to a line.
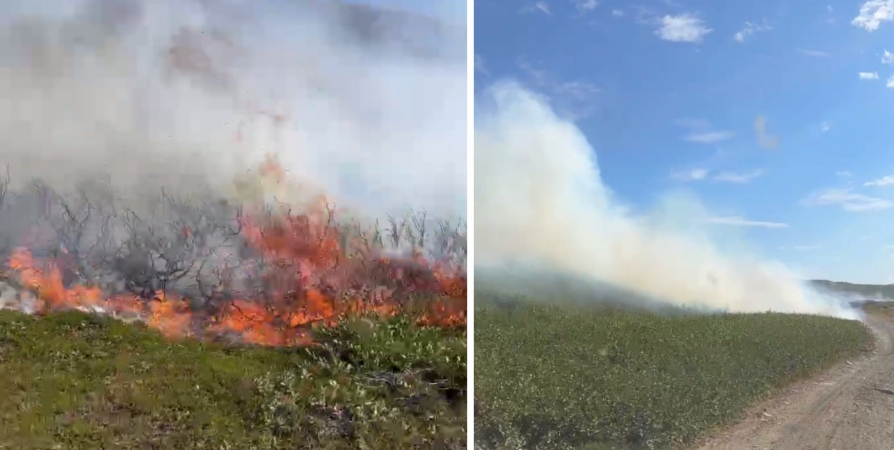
538	75
806	247
709	137
825	126
701	131
739	178
890	82
749	29
683	28
574	98
586	5
887	57
480	65
843	173
848	201
580	90
741	222
814	53
869	75
690	175
540	6
617	13
883	181
873	13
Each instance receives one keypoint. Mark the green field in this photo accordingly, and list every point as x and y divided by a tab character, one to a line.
72	381
578	376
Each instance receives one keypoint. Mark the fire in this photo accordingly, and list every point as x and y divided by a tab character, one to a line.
309	276
308	282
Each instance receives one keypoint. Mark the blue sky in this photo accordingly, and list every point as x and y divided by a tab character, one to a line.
670	93
453	11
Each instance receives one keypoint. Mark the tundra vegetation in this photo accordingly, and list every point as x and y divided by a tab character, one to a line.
585	373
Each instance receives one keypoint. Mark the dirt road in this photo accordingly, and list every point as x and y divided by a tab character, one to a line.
847	408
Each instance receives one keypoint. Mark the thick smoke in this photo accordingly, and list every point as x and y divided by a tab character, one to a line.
539	200
368	106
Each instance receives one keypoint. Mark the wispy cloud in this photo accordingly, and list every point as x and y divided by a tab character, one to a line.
687	28
814	53
579	90
825	126
873	13
537	7
869	75
883	181
617	13
887	57
741	222
574	97
585	6
695	174
738	178
844	173
749	29
848	201
830	17
806	247
701	131
710	137
480	65
890	82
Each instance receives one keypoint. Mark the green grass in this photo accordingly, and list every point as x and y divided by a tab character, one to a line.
73	381
576	376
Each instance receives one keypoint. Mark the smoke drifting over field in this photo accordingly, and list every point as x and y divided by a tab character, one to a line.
368	106
539	199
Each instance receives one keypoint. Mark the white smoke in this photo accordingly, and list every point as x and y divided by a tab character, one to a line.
174	90
539	199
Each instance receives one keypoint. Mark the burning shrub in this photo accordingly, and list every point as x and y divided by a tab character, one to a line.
210	268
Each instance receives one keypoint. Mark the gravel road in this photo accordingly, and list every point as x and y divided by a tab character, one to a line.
849	407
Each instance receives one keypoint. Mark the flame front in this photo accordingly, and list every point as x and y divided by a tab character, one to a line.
308	281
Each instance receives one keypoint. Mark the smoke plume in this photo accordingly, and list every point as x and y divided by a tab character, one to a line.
539	200
366	105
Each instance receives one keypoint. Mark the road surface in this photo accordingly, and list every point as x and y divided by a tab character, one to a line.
849	407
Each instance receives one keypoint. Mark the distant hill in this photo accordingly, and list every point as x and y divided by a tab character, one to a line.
860	291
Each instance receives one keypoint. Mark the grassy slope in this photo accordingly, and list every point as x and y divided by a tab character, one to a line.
599	377
74	381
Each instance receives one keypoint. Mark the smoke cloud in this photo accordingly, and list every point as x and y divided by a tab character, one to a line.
539	200
364	104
